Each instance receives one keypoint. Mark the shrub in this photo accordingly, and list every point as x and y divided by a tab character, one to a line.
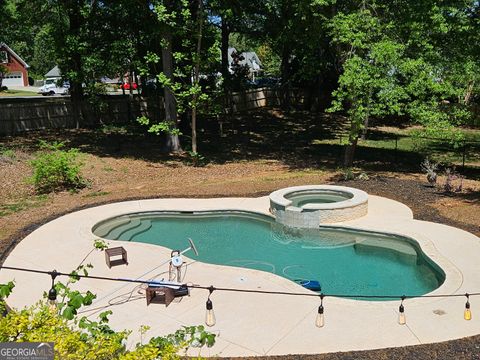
3	88
430	168
6	155
196	158
453	181
56	169
347	174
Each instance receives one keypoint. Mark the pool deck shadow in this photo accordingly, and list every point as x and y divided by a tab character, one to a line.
253	324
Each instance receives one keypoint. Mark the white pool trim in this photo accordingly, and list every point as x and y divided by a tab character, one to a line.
254	324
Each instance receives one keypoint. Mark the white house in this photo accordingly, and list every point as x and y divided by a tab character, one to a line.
248	58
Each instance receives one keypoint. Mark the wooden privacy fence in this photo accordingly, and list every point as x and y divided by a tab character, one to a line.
23	114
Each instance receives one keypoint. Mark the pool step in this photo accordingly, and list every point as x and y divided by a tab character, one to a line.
104	229
117	232
131	233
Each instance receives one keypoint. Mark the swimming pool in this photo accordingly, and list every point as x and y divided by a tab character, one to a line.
348	262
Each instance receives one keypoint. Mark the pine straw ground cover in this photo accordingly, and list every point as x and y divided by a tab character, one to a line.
120	168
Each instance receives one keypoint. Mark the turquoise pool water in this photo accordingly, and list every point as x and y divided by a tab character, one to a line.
300	198
343	261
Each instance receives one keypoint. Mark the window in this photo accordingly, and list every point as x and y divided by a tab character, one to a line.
3	57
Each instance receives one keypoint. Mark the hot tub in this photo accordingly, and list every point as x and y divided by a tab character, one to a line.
312	205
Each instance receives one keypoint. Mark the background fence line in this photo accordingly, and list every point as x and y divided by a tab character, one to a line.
24	114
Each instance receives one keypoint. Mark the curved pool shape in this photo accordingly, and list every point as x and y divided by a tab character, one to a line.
309	206
345	262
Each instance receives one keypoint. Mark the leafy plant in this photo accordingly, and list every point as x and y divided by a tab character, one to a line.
453	181
197	159
347	174
6	155
56	169
5	291
363	176
430	168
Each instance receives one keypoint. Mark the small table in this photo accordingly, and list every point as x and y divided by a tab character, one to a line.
159	295
115	252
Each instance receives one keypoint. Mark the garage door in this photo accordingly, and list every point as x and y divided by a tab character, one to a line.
13	79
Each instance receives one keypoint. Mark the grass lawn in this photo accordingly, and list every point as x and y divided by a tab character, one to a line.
17	93
401	143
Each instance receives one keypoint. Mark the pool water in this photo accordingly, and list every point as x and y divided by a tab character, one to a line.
300	198
343	261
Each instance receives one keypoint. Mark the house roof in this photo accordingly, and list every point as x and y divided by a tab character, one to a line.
19	59
250	59
55	73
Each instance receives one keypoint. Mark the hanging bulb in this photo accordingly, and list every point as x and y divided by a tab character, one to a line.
210	315
320	320
52	299
467	314
402	320
52	293
210	319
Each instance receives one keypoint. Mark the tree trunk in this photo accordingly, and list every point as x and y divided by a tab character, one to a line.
172	142
365	127
285	75
468	92
75	63
350	152
225	67
196	76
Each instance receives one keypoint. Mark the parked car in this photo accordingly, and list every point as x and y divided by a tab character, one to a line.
126	86
267	82
52	87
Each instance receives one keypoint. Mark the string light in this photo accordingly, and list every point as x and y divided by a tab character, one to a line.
320	321
467	314
210	319
52	293
210	315
401	313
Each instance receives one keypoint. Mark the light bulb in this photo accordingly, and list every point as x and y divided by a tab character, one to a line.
210	315
52	298
402	320
52	305
320	321
467	314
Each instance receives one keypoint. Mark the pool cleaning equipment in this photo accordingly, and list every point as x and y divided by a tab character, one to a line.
176	262
191	247
313	285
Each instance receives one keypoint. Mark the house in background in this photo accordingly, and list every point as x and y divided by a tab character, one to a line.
17	68
247	58
54	73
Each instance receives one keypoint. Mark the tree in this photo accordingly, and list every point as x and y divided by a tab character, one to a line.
394	62
184	59
3	72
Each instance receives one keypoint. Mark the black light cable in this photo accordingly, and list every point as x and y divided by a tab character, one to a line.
210	316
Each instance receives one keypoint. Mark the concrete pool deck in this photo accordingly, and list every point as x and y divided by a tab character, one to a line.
255	324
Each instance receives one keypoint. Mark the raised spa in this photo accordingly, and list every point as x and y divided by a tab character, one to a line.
311	205
347	262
